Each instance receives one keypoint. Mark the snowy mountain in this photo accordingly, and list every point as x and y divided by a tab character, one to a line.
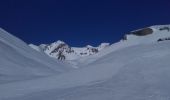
149	34
62	51
135	68
158	32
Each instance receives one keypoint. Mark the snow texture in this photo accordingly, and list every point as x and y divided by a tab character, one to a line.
135	69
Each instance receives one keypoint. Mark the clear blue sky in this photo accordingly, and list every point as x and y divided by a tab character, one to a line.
80	22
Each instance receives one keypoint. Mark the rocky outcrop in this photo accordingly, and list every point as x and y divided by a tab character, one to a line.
142	32
62	51
165	28
163	39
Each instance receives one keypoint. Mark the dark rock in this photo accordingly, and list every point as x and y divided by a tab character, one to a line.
160	40
142	32
163	39
94	50
61	56
165	28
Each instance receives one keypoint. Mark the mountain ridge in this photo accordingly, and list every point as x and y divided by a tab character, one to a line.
62	51
60	48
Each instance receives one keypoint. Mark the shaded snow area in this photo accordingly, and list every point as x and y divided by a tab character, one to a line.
18	61
127	70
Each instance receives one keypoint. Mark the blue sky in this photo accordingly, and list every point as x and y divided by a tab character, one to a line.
80	22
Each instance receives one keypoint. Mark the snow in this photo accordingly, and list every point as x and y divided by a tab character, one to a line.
19	62
136	69
103	45
35	47
132	40
70	53
138	77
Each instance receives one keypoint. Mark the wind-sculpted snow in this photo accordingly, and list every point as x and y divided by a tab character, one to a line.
135	69
134	73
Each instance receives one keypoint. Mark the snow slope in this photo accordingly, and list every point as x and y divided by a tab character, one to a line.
134	73
135	69
131	40
18	61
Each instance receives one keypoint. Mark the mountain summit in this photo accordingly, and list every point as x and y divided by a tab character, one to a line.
62	51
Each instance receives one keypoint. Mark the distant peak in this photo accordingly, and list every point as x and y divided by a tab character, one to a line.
59	42
104	44
89	46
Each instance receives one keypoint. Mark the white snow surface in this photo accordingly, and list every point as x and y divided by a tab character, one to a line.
18	61
132	40
136	69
